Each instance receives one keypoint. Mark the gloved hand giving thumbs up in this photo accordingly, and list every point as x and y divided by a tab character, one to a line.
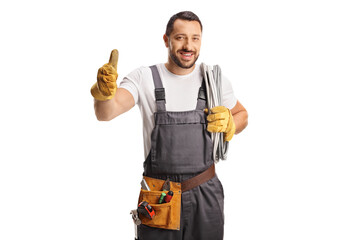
220	119
105	87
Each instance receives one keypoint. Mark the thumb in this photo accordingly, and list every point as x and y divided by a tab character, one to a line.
114	58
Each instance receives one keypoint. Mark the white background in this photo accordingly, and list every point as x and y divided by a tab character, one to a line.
293	173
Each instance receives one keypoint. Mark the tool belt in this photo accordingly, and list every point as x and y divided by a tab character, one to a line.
167	215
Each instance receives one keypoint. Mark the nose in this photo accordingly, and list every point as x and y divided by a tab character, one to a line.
187	45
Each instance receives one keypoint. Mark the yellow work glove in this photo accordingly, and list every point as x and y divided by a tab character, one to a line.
105	87
220	119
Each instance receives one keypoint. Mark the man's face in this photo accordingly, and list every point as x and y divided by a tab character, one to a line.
184	43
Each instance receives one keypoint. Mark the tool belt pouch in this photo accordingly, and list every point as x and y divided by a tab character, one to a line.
167	215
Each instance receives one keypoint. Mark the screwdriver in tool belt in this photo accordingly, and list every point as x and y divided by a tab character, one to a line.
161	199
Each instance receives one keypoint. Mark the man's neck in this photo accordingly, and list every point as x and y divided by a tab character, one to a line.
175	69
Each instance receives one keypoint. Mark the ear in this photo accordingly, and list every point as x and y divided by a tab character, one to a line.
166	40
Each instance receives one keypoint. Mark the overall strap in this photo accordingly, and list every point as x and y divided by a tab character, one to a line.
159	90
201	101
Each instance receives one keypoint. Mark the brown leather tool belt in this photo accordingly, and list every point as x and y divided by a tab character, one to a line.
198	179
167	215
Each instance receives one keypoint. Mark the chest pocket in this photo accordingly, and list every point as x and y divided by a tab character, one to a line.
180	143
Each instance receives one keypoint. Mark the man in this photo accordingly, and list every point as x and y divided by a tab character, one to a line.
176	131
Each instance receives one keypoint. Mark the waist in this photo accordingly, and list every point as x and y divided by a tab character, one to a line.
187	181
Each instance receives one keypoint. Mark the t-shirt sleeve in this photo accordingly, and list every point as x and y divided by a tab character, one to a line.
229	100
132	83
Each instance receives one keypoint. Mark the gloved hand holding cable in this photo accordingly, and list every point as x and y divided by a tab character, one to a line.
105	87
220	119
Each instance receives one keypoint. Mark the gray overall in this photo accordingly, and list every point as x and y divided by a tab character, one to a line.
181	148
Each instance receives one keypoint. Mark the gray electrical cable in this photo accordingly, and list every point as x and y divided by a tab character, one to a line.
213	83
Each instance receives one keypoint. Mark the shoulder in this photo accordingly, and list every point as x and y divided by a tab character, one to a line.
229	99
139	73
225	79
139	76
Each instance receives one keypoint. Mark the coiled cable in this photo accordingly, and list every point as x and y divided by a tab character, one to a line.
213	83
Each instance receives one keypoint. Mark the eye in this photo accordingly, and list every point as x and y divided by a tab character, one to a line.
179	38
196	39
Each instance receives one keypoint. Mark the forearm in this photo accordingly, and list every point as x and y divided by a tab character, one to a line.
104	110
241	121
122	102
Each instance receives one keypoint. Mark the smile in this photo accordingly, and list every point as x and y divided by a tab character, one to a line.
186	55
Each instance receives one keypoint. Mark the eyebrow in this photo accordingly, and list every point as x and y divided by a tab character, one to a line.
183	34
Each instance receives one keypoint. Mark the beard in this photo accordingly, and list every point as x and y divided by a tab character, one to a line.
177	61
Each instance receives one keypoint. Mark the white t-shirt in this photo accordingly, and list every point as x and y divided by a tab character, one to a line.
181	92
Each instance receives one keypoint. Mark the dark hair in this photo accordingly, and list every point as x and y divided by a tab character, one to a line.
185	15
